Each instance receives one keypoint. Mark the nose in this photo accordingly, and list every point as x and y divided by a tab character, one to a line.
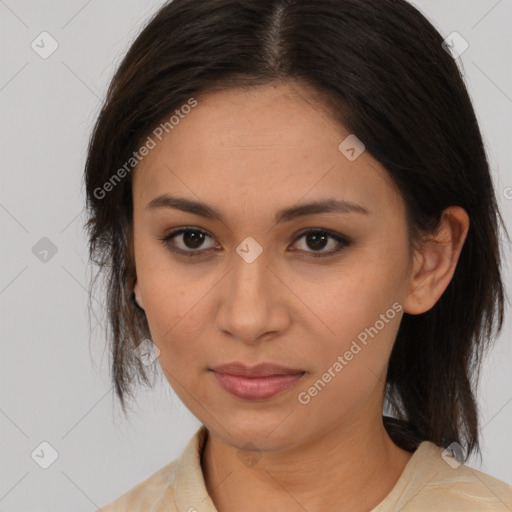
253	301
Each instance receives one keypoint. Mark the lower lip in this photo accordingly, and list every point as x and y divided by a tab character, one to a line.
256	388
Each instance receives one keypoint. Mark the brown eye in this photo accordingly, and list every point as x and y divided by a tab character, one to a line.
191	243
317	239
193	239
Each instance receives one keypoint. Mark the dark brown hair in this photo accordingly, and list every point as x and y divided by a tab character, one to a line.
380	68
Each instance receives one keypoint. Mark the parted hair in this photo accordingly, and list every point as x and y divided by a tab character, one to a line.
380	68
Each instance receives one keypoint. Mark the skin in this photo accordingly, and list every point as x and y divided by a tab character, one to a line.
249	153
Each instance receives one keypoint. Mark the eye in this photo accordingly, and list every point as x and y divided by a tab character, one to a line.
192	239
317	239
189	241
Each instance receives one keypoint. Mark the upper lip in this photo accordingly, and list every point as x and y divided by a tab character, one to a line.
259	370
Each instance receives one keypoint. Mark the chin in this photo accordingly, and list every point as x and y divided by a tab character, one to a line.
270	434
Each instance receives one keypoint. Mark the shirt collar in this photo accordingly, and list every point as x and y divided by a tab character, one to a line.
191	494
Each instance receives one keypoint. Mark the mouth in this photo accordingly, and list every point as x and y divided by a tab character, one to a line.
257	382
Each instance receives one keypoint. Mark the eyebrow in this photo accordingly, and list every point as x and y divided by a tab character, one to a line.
284	215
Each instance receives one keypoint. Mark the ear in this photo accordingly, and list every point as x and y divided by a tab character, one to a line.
435	263
138	296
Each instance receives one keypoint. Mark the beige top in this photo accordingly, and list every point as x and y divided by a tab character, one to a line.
429	482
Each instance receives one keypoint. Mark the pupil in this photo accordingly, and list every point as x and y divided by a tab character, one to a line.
193	239
318	239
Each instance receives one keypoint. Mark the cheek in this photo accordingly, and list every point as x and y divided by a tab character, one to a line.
349	369
172	315
356	318
169	298
170	290
339	304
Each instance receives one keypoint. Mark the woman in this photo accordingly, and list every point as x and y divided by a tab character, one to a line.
293	208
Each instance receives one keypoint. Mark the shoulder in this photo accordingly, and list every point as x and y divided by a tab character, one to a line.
154	493
435	480
178	486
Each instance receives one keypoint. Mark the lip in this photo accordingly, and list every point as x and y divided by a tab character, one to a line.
256	382
259	370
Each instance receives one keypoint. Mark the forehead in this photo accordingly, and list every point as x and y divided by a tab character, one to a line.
266	145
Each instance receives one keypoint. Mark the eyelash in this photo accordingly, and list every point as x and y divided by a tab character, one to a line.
166	239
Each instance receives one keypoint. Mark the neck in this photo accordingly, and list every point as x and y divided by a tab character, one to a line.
355	464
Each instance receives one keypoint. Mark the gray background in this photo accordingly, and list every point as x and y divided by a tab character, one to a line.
55	383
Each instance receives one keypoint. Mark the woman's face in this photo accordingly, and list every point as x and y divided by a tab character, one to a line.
250	285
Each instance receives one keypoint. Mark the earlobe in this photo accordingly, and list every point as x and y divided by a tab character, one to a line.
436	261
138	297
